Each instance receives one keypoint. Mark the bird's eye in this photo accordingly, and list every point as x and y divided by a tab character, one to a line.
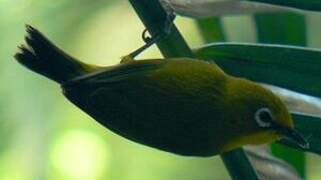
263	117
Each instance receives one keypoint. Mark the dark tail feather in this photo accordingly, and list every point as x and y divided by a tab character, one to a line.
43	57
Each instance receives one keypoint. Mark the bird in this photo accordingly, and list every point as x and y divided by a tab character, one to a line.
184	106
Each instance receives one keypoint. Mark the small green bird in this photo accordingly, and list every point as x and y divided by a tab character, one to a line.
180	105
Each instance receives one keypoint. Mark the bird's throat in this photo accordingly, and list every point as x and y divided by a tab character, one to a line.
252	139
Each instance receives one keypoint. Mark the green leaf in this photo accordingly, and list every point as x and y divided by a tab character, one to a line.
281	28
211	8
290	67
211	29
313	5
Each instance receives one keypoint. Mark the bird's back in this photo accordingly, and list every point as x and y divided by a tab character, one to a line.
167	104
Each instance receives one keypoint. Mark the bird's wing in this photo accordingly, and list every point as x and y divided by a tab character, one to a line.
118	72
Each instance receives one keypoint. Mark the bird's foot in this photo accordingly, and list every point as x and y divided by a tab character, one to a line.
126	59
149	41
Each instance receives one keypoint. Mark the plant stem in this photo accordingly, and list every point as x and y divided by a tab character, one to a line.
238	165
154	17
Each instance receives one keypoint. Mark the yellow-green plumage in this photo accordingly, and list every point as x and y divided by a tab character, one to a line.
182	105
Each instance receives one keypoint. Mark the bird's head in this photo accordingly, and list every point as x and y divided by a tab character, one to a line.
259	116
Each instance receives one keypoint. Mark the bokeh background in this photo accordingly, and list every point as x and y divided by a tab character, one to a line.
43	136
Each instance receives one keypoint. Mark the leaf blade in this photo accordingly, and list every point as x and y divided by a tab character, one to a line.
280	65
312	5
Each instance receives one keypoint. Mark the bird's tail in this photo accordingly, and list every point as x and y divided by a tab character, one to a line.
43	57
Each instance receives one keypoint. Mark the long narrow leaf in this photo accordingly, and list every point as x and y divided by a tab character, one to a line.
281	28
211	29
210	8
313	5
290	67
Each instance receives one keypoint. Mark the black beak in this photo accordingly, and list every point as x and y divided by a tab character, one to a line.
292	135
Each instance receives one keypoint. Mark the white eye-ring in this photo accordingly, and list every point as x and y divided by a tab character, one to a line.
263	117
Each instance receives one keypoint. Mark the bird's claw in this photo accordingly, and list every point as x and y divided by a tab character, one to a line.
149	41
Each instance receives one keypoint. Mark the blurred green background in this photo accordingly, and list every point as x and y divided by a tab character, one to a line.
43	136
